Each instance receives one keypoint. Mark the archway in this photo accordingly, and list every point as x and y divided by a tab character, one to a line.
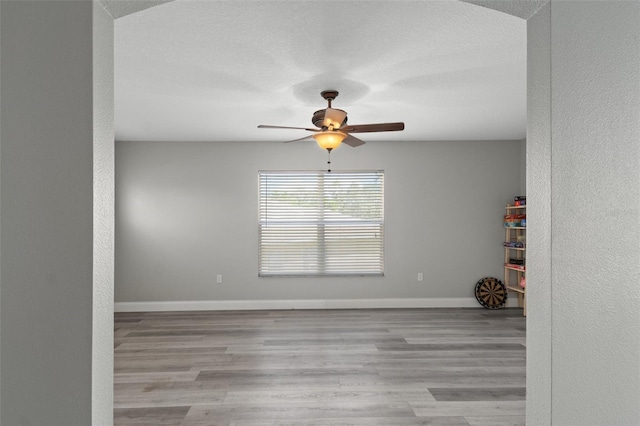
575	154
584	215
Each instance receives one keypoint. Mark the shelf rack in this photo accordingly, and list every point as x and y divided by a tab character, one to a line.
511	234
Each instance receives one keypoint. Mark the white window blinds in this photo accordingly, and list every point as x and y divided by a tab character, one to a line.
320	223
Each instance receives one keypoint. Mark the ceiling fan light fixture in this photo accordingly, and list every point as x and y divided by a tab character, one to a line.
329	139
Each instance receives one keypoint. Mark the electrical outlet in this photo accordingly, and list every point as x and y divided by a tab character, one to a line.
420	276
219	279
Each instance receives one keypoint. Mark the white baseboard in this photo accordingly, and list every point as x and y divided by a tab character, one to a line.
248	305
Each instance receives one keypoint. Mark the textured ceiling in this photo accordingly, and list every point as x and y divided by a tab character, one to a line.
214	70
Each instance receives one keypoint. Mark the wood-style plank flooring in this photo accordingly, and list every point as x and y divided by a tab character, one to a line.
321	367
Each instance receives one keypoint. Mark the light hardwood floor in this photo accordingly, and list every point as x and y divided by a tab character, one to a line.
321	367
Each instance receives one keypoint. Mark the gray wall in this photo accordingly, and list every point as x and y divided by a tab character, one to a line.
539	218
186	212
50	367
103	218
583	162
46	176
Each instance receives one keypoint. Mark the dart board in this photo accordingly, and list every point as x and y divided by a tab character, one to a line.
491	293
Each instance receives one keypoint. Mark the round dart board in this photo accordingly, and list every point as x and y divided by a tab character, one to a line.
491	293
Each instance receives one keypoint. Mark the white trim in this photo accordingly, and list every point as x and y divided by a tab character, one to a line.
248	305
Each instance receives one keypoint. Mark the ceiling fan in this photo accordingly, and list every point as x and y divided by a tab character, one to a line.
332	128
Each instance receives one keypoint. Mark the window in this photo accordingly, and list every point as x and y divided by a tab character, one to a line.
320	223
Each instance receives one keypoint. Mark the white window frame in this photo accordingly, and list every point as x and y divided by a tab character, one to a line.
305	238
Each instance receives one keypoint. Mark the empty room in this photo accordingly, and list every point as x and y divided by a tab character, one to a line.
315	213
264	282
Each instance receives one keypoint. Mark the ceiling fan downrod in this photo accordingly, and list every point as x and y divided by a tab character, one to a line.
329	95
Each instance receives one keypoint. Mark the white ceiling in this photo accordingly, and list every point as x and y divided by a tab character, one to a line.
213	70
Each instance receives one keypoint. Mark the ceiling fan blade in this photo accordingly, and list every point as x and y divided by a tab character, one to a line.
299	139
352	141
265	126
379	127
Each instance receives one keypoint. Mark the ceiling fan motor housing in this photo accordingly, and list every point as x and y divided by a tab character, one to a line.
319	116
318	119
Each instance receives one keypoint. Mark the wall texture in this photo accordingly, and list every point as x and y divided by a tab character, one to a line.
538	153
583	158
103	218
186	212
47	216
595	217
